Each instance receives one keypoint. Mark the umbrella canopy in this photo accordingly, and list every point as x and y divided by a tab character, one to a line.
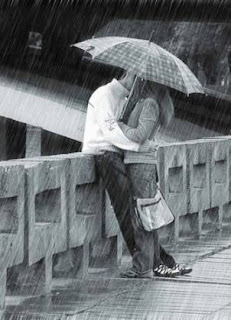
146	59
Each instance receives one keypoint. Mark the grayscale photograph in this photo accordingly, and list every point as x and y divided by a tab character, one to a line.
115	159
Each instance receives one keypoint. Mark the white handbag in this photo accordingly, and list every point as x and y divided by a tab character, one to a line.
153	213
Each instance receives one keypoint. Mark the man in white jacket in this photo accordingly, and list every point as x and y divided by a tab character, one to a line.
105	140
102	132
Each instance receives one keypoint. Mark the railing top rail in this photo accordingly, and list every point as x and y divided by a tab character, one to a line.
196	141
79	155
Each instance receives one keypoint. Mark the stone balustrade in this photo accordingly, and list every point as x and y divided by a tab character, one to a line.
195	181
57	221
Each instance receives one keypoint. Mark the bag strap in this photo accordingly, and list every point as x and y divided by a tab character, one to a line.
137	214
139	219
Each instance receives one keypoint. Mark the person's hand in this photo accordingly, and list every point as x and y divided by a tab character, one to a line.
153	146
122	126
148	146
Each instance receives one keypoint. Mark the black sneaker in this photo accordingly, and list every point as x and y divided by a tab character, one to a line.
163	271
182	270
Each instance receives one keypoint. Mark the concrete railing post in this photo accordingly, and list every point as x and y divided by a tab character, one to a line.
12	220
46	225
220	178
173	184
33	141
198	170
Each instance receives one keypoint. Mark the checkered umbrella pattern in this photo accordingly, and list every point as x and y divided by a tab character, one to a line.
146	59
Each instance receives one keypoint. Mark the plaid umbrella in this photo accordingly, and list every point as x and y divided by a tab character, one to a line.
146	59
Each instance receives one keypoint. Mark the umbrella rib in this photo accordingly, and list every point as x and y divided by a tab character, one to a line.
186	80
182	74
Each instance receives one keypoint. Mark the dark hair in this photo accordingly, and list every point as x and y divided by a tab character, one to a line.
123	74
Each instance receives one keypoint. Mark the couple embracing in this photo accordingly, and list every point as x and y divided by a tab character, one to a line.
125	160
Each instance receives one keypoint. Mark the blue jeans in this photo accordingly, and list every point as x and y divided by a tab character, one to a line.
122	184
148	254
111	169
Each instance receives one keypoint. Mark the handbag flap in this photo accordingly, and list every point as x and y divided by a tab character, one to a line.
149	201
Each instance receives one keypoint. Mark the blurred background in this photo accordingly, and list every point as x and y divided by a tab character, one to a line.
36	59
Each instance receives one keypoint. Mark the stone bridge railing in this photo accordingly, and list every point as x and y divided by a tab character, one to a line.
56	220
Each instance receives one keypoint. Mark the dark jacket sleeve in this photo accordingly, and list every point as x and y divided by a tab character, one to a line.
148	120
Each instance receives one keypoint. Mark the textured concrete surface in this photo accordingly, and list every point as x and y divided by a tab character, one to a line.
204	294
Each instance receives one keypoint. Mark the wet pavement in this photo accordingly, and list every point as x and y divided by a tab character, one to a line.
203	294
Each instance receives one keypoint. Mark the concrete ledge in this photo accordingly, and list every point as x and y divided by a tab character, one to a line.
70	223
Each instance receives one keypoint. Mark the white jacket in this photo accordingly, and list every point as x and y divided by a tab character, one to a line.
101	129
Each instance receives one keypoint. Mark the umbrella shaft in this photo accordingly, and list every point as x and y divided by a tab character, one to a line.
129	97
